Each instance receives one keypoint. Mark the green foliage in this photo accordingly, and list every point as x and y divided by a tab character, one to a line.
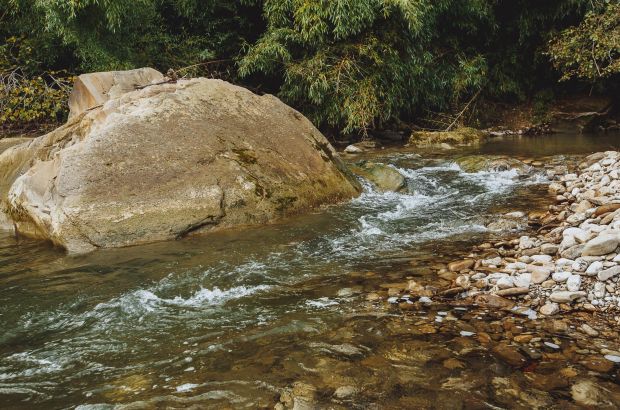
354	64
29	101
591	50
350	65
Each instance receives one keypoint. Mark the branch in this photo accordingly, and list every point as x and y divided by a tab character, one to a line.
464	109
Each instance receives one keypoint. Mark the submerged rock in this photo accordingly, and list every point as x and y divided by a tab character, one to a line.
167	160
384	177
477	163
459	136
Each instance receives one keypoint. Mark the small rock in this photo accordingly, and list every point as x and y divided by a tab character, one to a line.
352	149
540	274
549	309
573	252
494	301
513	291
587	329
458	266
594	268
505	282
566	296
561	276
601	245
549	248
463	281
573	283
597	364
510	355
344	392
608	273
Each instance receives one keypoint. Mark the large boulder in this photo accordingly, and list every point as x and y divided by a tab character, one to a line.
166	160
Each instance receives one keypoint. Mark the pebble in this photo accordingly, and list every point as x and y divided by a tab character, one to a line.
566	296
560	276
608	273
573	283
549	309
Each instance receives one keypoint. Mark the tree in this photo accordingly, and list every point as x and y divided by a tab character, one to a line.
591	50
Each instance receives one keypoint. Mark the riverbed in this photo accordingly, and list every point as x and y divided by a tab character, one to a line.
248	319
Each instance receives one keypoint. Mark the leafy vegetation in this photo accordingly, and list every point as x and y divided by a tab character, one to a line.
350	65
591	50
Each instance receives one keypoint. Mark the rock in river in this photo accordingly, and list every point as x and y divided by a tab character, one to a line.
384	177
166	160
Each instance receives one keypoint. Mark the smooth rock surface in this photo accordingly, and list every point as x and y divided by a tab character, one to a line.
169	160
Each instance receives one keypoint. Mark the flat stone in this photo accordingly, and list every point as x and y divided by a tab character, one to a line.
573	283
597	364
458	266
549	248
573	252
603	209
561	276
510	355
549	309
540	274
601	245
608	273
566	296
494	301
512	291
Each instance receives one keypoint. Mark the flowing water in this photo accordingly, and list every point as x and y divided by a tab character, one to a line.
230	319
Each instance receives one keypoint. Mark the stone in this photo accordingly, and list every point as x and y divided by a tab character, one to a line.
578	234
510	355
493	301
458	266
112	177
540	274
491	262
573	283
463	281
599	290
566	296
594	268
95	89
513	291
549	248
352	149
560	276
344	392
459	136
608	273
587	329
603	209
383	177
541	259
597	364
601	245
549	309
505	282
573	252
525	242
453	363
523	280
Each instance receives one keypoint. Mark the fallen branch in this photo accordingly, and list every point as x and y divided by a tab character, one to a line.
464	109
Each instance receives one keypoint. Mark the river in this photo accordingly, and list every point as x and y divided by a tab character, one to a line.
230	319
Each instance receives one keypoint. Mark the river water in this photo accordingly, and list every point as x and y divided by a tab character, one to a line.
231	319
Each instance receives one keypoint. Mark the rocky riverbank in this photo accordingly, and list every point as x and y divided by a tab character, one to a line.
571	263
